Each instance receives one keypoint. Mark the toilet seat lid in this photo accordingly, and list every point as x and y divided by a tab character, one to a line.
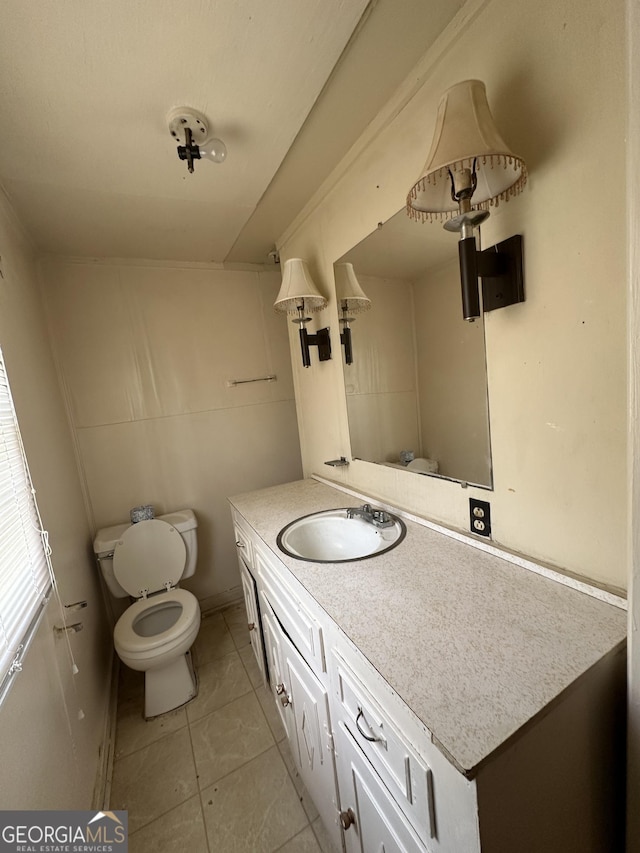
148	556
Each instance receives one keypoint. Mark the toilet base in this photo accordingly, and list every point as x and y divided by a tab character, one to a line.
169	687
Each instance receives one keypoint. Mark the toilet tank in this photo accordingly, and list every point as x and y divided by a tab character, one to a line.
183	520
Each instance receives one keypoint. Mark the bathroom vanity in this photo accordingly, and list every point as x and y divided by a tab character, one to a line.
441	696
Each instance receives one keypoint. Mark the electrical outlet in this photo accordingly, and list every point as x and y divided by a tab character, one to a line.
480	517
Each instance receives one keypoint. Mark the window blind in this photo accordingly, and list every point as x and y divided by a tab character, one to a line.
25	566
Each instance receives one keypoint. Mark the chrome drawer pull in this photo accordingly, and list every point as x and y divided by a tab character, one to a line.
370	737
239	544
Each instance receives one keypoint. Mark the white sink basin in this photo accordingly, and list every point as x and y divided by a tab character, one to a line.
334	537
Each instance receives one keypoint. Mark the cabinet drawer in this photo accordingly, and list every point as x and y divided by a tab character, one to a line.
303	629
407	777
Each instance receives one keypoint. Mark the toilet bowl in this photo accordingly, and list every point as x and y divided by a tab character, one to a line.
153	628
154	635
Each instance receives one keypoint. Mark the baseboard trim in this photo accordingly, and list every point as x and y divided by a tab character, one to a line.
221	599
104	777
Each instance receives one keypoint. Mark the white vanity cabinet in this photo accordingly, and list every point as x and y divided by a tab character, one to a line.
374	761
368	783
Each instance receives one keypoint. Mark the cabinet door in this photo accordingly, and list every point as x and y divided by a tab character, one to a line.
313	748
373	822
303	703
278	678
253	617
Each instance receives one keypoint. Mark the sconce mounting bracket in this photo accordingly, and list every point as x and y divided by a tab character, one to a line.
321	340
500	268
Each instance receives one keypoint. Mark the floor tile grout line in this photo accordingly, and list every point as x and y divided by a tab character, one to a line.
164	814
219	708
271	733
309	826
151	742
199	791
239	767
147	745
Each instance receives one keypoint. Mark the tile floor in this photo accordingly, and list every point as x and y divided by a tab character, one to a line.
216	776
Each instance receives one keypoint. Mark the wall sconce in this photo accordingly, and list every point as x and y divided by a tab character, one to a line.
191	129
352	300
470	160
297	295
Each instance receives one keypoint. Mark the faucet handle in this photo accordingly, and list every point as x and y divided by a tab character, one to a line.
381	515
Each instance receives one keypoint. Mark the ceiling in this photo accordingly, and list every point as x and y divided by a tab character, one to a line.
86	157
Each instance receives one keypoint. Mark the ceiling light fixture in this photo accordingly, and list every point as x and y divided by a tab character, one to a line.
191	129
468	161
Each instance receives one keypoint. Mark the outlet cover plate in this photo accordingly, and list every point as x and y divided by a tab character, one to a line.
480	517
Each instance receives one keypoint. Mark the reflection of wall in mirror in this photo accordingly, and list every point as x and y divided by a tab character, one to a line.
452	381
418	381
381	383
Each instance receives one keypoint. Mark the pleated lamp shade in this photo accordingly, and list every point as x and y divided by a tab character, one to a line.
465	135
298	289
351	296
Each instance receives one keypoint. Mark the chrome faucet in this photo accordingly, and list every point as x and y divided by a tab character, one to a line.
377	517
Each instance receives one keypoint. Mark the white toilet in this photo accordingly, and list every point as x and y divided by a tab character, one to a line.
145	561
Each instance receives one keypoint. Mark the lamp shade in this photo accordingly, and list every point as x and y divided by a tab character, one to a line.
297	289
348	291
465	137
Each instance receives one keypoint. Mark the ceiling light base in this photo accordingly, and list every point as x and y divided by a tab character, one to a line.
181	118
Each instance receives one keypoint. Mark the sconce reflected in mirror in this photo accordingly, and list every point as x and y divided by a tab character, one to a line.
298	295
352	300
469	162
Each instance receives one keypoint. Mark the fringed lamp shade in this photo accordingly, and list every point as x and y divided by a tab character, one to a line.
465	138
298	290
350	295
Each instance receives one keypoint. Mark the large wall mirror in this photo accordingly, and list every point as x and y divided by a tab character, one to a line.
417	385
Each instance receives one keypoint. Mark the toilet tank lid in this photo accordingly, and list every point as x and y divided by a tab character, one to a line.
106	538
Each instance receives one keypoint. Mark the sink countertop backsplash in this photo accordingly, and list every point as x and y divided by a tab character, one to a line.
474	644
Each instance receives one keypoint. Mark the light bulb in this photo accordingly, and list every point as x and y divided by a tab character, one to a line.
213	149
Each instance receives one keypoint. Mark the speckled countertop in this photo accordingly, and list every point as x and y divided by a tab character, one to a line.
475	645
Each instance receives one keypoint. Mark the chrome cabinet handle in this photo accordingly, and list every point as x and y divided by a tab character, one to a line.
285	699
370	736
239	544
347	818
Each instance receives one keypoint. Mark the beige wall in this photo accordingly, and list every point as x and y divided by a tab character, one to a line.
52	722
146	352
381	383
555	78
